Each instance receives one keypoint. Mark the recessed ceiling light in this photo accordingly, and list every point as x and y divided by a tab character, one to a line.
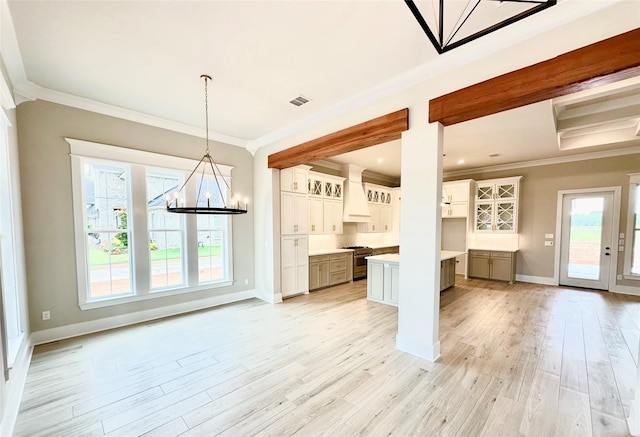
379	160
460	161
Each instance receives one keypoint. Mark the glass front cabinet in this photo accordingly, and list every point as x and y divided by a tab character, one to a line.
496	205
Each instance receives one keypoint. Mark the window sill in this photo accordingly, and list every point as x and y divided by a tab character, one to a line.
631	276
152	295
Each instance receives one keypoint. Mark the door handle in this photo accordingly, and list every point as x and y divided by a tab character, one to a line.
607	253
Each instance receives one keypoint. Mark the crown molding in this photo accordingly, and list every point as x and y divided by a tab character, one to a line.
548	161
31	91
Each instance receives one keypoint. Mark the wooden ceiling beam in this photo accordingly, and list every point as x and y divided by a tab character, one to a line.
376	131
604	62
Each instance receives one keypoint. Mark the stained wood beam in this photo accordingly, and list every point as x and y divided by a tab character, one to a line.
604	62
376	131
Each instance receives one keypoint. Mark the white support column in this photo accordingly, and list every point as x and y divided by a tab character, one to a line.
634	411
420	228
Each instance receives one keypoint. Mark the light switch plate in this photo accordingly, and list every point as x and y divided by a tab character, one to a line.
621	242
620	248
548	243
621	234
548	235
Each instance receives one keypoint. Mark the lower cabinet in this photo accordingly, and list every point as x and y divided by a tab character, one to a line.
295	265
493	264
328	270
447	273
383	282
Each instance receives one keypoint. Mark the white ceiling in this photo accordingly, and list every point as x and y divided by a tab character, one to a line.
146	57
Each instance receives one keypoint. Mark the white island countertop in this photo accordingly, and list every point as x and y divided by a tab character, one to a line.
394	257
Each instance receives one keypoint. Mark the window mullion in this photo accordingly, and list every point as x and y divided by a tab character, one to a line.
139	232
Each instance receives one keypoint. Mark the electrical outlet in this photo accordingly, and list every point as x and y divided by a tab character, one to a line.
621	242
46	315
619	277
548	235
620	248
548	243
621	234
246	282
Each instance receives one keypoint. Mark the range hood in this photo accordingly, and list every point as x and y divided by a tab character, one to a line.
355	209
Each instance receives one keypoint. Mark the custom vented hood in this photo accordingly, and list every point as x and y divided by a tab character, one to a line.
355	209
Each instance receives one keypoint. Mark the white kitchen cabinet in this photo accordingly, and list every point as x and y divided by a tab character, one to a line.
316	215
455	199
294	213
325	203
332	219
295	265
380	209
496	205
383	279
294	179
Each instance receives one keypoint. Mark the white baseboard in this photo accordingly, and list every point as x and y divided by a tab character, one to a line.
625	289
543	280
15	387
269	297
83	328
429	352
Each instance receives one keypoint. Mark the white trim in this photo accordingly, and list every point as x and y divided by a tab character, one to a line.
31	91
6	99
82	328
133	156
543	280
269	297
89	305
15	387
625	289
617	197
430	352
548	161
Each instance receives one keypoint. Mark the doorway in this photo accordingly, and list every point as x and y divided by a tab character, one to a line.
587	237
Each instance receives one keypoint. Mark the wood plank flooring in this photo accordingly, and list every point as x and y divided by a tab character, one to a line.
517	360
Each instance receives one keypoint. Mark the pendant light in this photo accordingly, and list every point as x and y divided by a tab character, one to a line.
206	163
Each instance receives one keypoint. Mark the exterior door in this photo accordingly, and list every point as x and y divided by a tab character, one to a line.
586	240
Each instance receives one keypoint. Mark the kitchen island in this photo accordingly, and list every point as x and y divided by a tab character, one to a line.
383	275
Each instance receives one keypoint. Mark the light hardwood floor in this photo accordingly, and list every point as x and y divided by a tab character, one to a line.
516	360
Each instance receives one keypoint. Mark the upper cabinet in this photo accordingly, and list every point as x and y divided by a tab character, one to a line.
496	205
379	202
294	179
325	203
455	198
294	206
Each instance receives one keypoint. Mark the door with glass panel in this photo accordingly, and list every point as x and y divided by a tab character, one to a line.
586	240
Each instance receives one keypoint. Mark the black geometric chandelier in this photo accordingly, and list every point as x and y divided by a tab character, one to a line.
452	23
206	163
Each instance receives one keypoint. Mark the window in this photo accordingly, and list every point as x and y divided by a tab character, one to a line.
632	249
106	202
166	232
128	247
212	244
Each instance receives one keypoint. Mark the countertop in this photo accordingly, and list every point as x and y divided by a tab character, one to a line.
496	249
328	251
394	257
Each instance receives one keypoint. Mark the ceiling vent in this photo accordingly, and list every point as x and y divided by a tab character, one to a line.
299	101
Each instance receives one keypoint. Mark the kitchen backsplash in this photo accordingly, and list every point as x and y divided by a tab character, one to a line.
351	237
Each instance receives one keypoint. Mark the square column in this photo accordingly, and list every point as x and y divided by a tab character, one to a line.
420	231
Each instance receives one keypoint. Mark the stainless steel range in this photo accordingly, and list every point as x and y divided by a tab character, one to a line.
359	261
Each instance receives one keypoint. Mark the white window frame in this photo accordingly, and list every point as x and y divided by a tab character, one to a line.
634	184
138	162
